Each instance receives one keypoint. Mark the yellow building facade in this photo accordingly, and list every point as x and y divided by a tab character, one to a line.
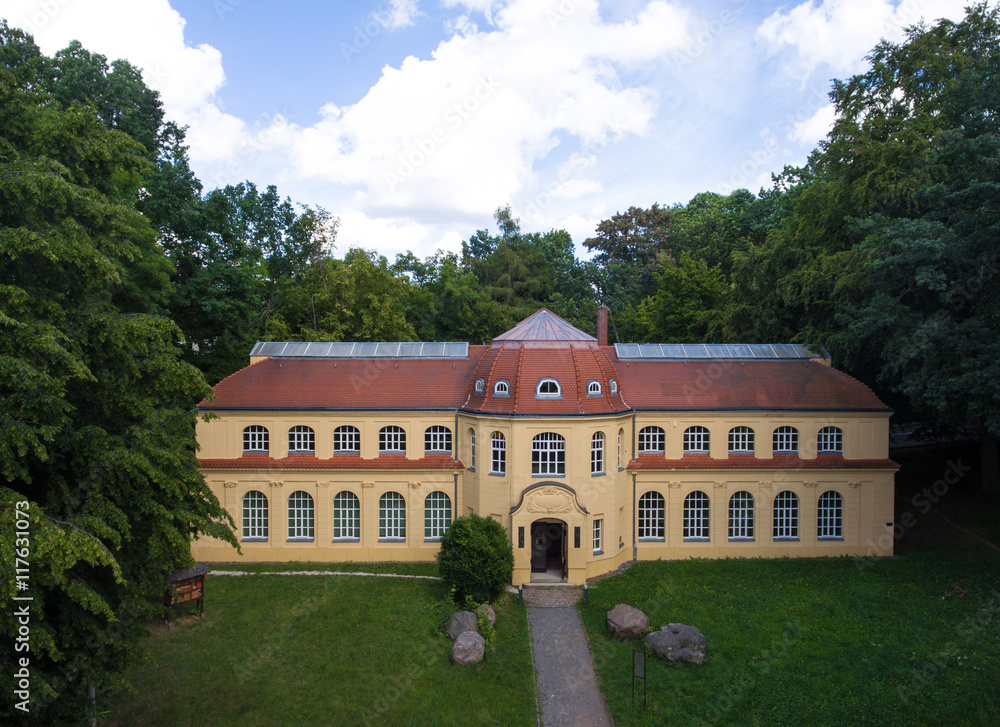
589	455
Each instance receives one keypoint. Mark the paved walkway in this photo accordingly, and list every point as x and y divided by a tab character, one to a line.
567	684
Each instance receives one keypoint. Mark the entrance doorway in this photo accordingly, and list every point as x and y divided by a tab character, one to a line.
548	550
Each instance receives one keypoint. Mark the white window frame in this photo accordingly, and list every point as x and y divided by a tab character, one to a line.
830	516
741	516
498	453
501	388
347	440
480	385
548	383
472	449
830	440
786	516
301	439
391	435
255	516
391	517
786	440
301	516
256	439
652	440
621	432
598	536
437	439
613	387
651	519
593	388
697	440
548	455
346	517
697	517
741	440
437	515
597	454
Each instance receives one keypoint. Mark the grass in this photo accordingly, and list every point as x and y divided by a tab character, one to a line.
908	640
342	650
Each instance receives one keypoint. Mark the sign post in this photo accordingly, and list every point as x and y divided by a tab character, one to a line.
639	672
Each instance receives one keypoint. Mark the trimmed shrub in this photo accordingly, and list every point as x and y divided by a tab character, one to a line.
476	560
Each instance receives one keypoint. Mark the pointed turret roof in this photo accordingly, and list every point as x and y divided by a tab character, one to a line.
544	326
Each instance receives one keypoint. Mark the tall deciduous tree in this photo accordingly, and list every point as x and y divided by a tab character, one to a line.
96	425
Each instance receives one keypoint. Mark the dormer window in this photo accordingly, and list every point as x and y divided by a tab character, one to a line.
501	388
479	386
593	388
613	386
548	389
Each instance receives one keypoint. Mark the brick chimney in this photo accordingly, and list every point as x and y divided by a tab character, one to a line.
602	325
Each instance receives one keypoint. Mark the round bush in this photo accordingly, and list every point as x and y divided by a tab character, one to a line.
476	559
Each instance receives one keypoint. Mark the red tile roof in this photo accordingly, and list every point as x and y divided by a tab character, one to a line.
338	462
751	462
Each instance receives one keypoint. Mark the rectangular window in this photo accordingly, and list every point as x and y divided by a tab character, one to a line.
499	458
598	535
392	439
255	439
437	439
548	454
740	440
301	439
786	440
696	440
346	439
597	454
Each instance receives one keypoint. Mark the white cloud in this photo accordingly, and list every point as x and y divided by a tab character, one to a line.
435	143
841	32
816	127
399	14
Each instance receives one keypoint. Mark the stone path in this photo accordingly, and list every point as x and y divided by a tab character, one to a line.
567	683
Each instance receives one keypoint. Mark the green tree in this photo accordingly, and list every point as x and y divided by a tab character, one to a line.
96	421
687	305
476	559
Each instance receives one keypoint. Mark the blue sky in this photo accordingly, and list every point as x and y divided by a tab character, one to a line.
412	120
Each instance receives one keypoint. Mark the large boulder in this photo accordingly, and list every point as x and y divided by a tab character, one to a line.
460	623
626	622
679	643
490	613
468	648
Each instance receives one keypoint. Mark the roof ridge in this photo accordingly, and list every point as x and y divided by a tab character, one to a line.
576	380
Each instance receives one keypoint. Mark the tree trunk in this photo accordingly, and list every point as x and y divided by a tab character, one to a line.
988	463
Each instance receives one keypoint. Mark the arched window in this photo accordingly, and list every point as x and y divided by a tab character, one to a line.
301	439
621	435
651	440
830	440
437	515
548	454
300	516
696	513
651	516
786	516
830	515
472	448
548	389
391	439
498	455
501	388
593	388
786	440
741	516
255	438
695	440
347	440
437	439
254	516
480	384
741	440
613	387
391	517
346	516
597	454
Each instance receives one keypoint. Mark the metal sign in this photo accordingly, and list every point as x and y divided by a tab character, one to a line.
639	672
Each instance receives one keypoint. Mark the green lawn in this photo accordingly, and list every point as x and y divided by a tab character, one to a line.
337	650
911	640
